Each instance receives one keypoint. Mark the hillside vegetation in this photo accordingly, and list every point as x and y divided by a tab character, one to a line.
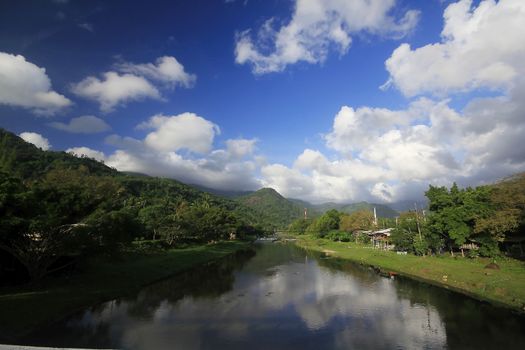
55	208
271	208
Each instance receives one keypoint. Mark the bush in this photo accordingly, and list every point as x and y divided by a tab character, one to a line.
473	254
488	247
339	236
420	246
360	237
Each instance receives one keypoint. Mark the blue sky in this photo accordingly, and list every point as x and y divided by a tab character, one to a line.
281	93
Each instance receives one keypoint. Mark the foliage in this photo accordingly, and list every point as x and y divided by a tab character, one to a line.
47	218
358	220
405	235
326	222
272	209
360	237
53	204
299	226
339	236
454	213
508	201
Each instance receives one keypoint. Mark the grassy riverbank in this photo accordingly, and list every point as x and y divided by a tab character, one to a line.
22	309
504	287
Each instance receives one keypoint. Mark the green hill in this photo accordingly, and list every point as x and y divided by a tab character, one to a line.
27	162
272	208
24	160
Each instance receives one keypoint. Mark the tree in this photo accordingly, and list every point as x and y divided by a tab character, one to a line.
410	234
299	226
325	223
358	220
454	213
46	219
508	201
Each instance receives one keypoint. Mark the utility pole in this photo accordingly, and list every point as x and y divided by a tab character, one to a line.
375	217
417	222
306	213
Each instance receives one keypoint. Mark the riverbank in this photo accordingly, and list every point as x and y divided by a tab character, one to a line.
23	309
504	287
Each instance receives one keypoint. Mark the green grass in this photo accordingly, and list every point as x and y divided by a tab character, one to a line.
23	309
504	287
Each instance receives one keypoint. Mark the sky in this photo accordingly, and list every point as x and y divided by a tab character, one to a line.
322	100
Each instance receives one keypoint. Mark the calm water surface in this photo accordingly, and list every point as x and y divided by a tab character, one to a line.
281	297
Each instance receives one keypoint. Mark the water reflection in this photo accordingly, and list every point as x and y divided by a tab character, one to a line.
285	298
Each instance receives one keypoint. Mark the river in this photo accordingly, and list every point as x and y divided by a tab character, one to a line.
281	297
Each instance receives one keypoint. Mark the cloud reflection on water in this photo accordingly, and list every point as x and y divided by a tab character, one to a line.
275	303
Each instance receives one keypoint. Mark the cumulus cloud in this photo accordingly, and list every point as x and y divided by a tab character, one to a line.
163	152
355	129
133	82
87	152
36	139
115	89
86	124
399	158
239	148
317	27
166	69
390	155
481	47
24	84
183	131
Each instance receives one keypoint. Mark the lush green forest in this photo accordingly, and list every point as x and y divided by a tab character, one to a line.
272	208
55	207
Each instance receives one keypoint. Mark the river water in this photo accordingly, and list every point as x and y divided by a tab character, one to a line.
282	297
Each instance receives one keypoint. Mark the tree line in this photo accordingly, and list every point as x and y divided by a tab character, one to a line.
70	212
478	221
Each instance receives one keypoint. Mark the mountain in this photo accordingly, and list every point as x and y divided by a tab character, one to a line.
22	159
26	161
272	208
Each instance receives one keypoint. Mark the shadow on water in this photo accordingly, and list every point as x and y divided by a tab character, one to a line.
282	297
93	327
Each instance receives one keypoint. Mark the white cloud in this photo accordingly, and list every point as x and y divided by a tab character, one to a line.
115	89
87	152
166	69
395	158
36	139
316	28
87	124
390	155
355	129
183	131
133	82
239	148
24	84
161	153
481	47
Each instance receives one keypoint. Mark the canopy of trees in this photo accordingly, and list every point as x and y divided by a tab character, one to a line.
53	205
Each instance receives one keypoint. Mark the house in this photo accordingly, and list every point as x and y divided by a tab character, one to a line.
381	238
